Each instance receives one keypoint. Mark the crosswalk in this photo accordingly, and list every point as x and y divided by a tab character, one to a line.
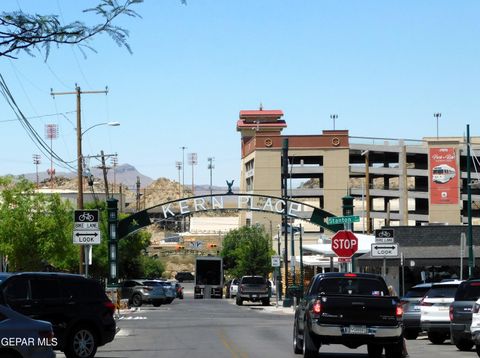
131	317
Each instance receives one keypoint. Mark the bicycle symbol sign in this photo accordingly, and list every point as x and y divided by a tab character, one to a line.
86	216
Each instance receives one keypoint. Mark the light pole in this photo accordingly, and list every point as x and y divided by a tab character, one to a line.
333	117
211	166
437	115
193	160
178	165
183	168
80	169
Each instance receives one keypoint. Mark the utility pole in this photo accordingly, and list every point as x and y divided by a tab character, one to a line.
78	92
471	261
138	194
114	164
105	177
36	161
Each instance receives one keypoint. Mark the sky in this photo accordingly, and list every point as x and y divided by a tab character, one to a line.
384	67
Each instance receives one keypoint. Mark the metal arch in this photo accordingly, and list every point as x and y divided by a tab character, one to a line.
141	218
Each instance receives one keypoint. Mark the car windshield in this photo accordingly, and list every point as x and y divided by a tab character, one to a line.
253	280
152	283
416	292
469	291
442	292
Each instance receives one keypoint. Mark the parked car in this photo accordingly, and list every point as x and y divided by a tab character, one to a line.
141	291
78	308
233	291
461	314
273	288
14	325
434	307
475	327
411	309
169	289
179	290
184	276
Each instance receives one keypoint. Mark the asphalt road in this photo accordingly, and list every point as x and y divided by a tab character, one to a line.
219	328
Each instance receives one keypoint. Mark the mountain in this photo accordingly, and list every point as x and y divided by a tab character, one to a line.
125	173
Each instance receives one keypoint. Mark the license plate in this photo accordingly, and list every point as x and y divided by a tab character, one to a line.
443	308
357	330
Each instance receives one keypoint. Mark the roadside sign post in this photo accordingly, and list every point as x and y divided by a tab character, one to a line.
276	262
86	232
384	246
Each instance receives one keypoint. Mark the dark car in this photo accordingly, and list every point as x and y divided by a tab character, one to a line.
140	291
184	276
179	290
461	314
169	289
78	308
411	309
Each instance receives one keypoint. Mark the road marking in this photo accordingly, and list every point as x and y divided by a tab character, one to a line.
131	317
231	346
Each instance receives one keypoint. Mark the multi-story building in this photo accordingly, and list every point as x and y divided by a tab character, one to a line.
393	181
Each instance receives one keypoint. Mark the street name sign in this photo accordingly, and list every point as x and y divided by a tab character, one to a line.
384	236
384	250
335	220
344	259
85	229
275	261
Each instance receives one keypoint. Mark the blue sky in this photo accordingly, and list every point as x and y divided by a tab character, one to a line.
383	66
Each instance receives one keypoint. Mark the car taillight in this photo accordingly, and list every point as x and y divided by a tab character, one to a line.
46	335
350	275
110	306
476	308
317	307
450	313
399	311
241	288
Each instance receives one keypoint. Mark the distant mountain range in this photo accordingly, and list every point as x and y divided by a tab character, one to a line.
125	174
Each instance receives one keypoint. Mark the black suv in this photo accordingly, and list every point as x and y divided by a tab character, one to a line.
78	309
184	276
461	314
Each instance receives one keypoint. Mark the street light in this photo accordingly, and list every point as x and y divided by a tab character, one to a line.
80	167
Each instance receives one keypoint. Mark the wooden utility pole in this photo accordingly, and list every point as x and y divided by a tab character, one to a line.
78	92
105	177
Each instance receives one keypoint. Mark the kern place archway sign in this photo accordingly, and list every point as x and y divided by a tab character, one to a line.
230	201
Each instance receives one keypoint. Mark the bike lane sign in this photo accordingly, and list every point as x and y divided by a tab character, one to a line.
85	229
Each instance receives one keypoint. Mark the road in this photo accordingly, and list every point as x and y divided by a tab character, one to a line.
219	328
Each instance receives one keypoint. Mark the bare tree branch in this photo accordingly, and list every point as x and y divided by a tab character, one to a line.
24	32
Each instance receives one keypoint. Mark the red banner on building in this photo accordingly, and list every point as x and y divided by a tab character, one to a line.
443	176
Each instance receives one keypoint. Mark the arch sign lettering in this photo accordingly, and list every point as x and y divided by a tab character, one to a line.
247	202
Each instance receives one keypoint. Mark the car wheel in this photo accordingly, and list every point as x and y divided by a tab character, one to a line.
410	334
310	346
374	350
81	343
477	349
136	300
239	301
297	342
436	338
394	350
464	345
157	303
266	302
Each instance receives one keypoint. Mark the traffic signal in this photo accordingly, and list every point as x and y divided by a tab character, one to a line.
179	247
211	246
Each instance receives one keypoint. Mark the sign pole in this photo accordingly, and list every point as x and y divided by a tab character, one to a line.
87	258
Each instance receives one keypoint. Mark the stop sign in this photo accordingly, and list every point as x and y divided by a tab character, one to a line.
344	243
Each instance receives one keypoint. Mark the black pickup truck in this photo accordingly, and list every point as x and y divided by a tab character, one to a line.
352	309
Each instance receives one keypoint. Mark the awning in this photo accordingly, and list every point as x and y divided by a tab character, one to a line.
317	260
364	246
